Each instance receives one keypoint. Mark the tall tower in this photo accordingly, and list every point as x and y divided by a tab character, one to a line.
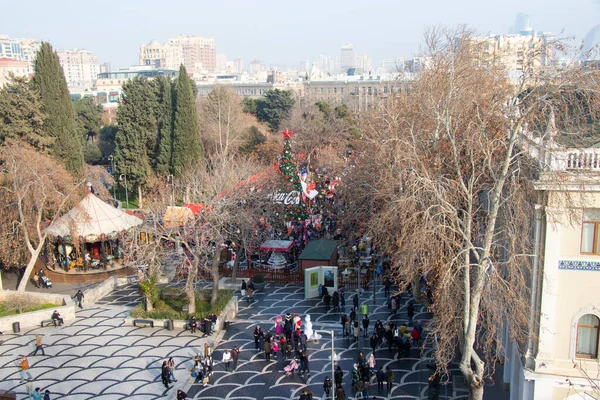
347	57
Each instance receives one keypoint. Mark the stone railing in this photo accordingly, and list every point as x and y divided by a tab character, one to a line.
573	159
64	305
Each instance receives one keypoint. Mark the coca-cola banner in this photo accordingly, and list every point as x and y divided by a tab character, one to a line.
292	197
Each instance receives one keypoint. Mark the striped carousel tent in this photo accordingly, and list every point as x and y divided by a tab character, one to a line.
92	220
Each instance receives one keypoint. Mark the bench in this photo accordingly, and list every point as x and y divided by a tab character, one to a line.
47	322
143	322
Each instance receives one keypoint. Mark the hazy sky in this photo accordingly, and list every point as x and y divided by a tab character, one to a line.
279	32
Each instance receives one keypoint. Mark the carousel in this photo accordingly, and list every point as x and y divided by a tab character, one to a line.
90	237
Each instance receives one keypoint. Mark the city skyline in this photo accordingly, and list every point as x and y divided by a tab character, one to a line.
278	36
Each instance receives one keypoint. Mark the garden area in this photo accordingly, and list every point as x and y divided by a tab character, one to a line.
21	305
171	303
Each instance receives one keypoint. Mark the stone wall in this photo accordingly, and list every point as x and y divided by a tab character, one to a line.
64	305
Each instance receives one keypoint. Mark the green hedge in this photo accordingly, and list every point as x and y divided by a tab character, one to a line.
5	312
171	306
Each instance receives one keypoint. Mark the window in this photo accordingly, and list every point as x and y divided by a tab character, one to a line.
589	232
587	336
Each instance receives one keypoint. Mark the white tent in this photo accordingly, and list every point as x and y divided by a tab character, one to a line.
93	220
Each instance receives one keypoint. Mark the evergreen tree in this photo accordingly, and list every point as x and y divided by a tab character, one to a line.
137	125
49	81
21	115
187	146
291	181
164	153
274	107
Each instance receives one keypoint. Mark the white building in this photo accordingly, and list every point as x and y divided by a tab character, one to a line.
9	66
198	54
81	67
20	49
561	359
158	55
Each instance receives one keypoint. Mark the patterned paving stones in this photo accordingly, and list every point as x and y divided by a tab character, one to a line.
255	379
97	357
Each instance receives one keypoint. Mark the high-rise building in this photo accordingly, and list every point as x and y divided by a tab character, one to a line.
221	63
347	57
238	65
105	67
196	53
363	63
20	49
256	66
199	53
80	66
522	26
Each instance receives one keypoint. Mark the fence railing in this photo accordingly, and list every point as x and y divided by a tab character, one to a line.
573	159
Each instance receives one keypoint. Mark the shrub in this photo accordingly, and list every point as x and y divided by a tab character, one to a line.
174	308
159	304
258	278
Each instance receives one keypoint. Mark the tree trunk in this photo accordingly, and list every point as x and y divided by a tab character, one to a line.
34	256
215	271
190	289
236	263
148	300
140	205
476	392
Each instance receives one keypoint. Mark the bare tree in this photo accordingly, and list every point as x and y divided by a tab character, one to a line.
34	194
453	202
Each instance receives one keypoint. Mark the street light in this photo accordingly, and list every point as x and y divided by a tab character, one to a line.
126	192
332	359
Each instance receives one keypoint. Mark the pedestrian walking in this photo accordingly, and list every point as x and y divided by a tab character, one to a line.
410	311
193	324
38	345
79	298
171	365
335	298
244	286
181	395
47	395
387	284
267	350
365	323
416	337
343	320
37	394
371	362
380	378
303	340
355	301
389	378
337	376
355	378
226	359
25	374
235	353
340	393
342	300
327	301
374	341
164	374
304	364
327	386
250	292
356	331
394	305
258	333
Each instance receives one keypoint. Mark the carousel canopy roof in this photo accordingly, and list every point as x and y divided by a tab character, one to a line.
277	245
93	220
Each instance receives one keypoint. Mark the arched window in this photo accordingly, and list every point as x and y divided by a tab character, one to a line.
587	336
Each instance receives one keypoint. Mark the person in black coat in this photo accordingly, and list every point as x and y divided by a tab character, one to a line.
374	341
338	375
327	301
336	301
164	374
365	324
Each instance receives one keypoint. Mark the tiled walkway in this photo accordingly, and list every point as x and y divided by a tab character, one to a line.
257	379
96	357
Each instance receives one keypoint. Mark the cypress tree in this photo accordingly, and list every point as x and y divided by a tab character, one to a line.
136	122
164	152
49	80
187	146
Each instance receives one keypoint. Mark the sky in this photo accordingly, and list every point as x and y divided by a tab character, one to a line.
279	33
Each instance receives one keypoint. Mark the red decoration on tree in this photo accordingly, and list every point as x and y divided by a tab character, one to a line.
287	134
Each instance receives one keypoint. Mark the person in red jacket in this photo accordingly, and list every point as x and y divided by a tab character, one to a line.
416	336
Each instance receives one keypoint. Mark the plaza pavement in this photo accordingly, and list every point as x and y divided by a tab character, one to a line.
97	357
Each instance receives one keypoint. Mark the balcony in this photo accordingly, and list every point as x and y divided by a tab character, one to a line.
573	160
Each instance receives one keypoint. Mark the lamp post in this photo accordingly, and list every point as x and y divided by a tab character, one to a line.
332	359
126	192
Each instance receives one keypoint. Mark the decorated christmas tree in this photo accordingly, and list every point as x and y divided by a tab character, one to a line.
291	182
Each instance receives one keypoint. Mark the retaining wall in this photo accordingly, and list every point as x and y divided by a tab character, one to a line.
64	305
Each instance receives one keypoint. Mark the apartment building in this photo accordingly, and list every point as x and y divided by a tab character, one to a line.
198	54
81	67
15	67
20	49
